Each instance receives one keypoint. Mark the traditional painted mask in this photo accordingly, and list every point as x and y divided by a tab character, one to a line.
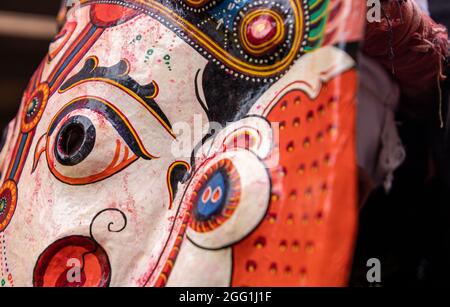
187	142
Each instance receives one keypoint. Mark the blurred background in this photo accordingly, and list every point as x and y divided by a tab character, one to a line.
26	28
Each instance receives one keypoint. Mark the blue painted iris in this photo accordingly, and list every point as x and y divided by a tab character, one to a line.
212	196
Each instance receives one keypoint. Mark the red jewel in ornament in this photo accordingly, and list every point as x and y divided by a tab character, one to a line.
262	31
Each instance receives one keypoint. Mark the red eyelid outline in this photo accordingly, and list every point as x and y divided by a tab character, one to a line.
108	172
118	112
129	93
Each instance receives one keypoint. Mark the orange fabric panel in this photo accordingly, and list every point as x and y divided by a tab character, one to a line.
308	235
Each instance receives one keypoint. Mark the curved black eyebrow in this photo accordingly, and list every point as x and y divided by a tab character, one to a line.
118	73
106	111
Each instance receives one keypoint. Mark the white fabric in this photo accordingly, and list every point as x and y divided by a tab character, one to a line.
423	5
379	148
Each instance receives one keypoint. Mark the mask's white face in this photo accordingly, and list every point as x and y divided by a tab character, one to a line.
94	187
104	140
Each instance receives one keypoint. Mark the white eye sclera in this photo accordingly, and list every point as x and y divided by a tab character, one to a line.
90	140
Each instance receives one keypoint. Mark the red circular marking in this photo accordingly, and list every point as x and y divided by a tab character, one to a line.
109	15
261	29
206	194
58	265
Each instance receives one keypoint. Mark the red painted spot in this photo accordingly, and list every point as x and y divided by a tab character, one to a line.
260	242
251	266
109	15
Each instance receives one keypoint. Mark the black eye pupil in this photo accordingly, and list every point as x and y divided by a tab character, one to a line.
72	139
75	141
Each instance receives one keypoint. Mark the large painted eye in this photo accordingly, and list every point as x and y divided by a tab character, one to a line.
75	141
90	140
225	208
